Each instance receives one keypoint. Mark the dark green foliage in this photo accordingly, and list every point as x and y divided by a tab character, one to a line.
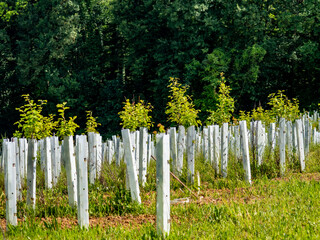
94	54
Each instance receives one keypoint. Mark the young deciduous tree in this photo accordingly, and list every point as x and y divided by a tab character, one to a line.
91	124
32	123
65	127
136	115
283	107
180	108
225	106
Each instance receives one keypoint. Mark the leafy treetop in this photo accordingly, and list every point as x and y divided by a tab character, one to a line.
225	106
92	124
283	107
136	115
65	127
180	108
32	123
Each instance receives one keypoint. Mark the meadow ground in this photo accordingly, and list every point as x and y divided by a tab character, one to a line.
273	207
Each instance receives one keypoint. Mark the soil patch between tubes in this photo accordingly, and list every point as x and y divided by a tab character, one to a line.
105	222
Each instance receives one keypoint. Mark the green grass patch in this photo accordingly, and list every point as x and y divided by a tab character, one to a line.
273	207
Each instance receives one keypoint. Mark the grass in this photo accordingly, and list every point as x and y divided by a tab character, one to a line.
273	207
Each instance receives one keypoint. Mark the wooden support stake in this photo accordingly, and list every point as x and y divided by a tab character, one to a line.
55	159
289	136
32	173
99	153
3	153
47	162
173	148
245	150
131	166
71	170
237	141
224	150
11	196
23	148
42	155
104	152
137	153
294	137
211	145
82	181
216	150
282	145
306	136
190	152
163	186
92	163
118	151
300	143
17	163
180	148
205	144
149	153
259	142
110	151
143	155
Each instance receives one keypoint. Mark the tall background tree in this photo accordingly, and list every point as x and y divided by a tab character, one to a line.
96	53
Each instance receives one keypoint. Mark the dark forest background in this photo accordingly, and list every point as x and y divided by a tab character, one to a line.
94	54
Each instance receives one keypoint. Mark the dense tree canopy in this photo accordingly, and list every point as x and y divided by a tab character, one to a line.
94	54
